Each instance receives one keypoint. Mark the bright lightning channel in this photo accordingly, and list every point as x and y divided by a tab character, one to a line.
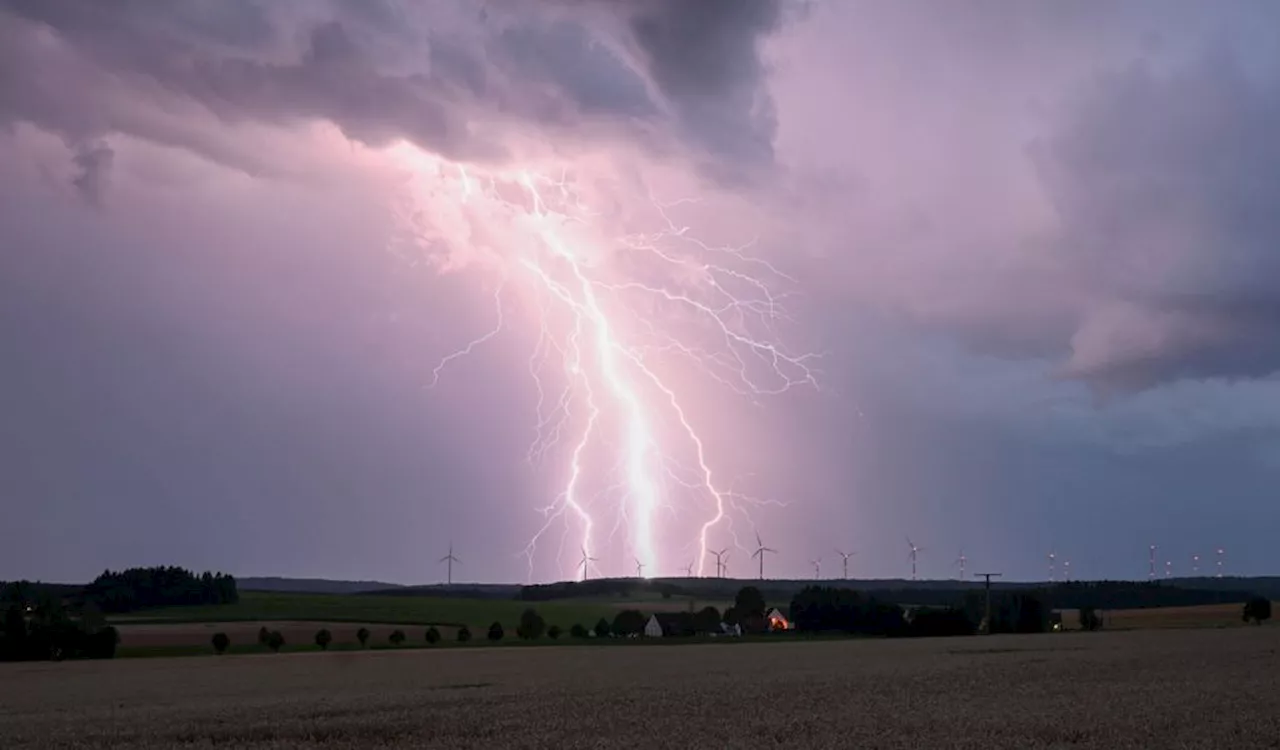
540	237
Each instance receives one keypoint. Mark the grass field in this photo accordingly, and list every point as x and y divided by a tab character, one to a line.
1203	616
1205	688
406	610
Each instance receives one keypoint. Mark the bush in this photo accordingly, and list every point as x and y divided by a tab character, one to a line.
433	635
275	641
602	628
531	625
629	622
553	632
396	637
264	635
221	643
464	634
1257	609
495	632
362	635
1090	620
323	639
578	631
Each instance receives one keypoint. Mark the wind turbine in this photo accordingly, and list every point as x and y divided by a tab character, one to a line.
1221	552
961	561
1066	571
760	552
914	555
1151	563
450	560
639	568
1053	567
1168	569
844	562
720	557
1195	565
817	567
585	560
688	569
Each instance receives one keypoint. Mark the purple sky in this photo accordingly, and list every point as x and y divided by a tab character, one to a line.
1035	243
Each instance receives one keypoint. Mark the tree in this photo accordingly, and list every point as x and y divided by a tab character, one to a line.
362	635
1090	620
323	639
602	628
221	643
629	622
396	637
433	635
578	631
1257	609
495	632
464	634
275	641
707	620
531	625
264	636
749	601
553	632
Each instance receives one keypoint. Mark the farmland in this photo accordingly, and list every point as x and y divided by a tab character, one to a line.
407	610
1187	688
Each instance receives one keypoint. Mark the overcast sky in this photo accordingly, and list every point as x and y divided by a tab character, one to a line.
1034	246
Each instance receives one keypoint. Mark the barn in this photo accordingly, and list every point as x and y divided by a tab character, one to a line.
777	620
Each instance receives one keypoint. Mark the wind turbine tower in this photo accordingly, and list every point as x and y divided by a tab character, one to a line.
1221	552
1151	563
760	552
962	561
1066	571
914	554
449	560
1053	567
844	562
1168	568
586	560
639	568
720	557
1195	565
817	567
688	569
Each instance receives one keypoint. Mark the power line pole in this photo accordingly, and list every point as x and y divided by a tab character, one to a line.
988	577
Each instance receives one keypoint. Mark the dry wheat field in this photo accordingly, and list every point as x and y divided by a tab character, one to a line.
1155	689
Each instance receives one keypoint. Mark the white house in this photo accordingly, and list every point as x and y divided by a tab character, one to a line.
653	628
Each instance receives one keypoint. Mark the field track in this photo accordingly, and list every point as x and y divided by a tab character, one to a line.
1207	688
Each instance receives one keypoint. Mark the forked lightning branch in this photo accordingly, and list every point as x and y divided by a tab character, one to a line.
617	313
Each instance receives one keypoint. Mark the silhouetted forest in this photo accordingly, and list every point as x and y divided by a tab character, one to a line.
143	588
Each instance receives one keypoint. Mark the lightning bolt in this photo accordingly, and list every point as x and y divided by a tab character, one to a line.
600	302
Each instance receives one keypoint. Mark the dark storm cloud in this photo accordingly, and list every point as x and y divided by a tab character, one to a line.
1166	186
705	57
382	70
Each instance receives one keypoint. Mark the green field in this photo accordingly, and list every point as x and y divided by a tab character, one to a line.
407	610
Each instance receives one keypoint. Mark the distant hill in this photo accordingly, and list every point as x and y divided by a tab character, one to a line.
312	585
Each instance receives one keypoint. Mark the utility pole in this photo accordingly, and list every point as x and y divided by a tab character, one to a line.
988	577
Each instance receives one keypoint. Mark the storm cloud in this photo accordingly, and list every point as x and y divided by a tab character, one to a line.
1036	244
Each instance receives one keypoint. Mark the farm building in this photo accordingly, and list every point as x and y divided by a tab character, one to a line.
777	620
668	624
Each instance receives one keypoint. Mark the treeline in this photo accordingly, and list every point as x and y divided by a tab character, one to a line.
597	588
143	588
824	609
46	631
